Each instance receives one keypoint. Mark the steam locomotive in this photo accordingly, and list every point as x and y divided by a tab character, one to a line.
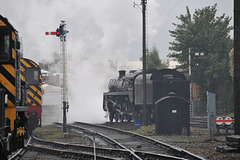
124	100
16	91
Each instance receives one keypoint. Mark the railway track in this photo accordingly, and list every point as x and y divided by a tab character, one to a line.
112	144
79	151
142	146
21	152
57	150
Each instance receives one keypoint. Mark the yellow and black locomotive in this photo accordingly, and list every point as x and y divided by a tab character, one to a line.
31	73
13	92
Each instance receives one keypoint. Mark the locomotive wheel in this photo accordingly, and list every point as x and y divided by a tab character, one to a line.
116	117
111	116
120	118
128	118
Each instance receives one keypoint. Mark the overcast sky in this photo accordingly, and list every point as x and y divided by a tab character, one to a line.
107	27
99	31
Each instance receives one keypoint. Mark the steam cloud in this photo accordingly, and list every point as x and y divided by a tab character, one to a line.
99	32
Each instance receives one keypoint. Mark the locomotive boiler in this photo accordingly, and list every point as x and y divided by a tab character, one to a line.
166	88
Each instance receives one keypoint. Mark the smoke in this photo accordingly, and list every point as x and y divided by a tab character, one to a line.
99	32
109	25
107	32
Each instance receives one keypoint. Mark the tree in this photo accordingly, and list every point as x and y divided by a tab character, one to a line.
153	61
203	32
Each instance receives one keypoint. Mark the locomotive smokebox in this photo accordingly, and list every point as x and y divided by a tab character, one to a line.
121	73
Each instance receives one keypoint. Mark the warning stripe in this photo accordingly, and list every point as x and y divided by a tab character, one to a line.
13	53
34	97
10	104
36	90
22	68
13	36
7	78
34	64
30	101
7	75
2	23
10	69
22	77
22	72
10	90
7	85
25	64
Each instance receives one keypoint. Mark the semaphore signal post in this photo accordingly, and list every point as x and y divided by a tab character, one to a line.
61	32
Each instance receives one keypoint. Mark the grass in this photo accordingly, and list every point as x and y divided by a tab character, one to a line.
197	135
49	133
146	130
52	133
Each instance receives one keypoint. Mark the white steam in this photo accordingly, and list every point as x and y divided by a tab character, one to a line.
99	32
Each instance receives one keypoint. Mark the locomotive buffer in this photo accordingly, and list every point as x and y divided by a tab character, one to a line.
61	32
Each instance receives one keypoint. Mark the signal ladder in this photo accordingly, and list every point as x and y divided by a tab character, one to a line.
63	64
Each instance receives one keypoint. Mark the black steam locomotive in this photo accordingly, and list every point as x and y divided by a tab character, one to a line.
166	90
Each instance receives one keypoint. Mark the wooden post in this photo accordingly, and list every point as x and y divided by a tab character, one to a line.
145	118
212	127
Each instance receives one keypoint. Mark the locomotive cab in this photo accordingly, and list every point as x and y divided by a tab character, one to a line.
4	45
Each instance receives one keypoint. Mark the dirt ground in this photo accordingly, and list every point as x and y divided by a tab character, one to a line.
198	142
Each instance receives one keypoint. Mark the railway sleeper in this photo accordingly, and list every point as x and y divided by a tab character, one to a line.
88	149
68	154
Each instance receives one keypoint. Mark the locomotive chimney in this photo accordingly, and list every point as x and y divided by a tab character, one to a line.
121	73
